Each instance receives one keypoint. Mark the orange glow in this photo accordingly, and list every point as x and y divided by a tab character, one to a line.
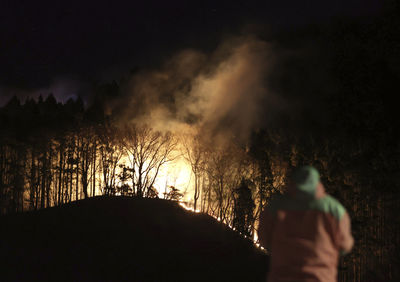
254	239
176	172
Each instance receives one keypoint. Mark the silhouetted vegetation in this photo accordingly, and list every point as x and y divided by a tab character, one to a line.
124	239
53	153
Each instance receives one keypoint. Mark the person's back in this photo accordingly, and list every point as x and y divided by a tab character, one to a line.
305	230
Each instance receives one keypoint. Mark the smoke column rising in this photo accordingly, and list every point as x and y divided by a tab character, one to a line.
218	94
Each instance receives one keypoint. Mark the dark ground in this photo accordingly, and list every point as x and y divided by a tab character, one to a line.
124	239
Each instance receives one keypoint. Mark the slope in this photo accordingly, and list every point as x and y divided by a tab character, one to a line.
124	239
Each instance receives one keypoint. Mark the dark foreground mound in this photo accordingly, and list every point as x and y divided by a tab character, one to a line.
124	239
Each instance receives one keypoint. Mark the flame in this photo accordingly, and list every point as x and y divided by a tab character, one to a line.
176	172
255	236
183	205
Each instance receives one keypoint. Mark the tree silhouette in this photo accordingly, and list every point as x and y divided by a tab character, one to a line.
173	194
147	151
243	220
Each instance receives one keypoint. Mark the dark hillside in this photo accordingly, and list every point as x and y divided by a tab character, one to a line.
124	239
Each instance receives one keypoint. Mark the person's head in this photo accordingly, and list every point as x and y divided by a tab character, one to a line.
306	179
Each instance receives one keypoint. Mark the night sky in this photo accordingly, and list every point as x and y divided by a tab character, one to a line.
86	41
98	95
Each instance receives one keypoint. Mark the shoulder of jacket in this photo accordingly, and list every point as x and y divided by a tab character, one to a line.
332	206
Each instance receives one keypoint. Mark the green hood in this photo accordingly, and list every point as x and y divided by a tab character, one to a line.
305	180
307	193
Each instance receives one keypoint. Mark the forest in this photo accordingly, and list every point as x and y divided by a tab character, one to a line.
52	153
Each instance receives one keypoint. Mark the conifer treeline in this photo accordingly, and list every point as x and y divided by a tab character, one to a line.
49	152
53	153
45	154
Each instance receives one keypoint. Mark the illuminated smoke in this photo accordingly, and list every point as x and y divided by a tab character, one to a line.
218	94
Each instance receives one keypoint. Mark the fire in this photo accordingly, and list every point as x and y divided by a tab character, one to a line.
254	238
176	173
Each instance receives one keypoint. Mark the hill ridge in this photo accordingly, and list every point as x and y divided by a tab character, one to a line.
123	238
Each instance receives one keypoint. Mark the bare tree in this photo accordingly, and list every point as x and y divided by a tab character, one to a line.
111	152
225	168
147	151
87	144
194	153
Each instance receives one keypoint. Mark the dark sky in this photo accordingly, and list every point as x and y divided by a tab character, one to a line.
85	40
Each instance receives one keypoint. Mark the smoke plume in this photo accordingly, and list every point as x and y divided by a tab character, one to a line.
220	93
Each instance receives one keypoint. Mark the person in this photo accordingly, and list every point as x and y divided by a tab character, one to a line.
305	230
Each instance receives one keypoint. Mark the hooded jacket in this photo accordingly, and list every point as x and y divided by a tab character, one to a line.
305	230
